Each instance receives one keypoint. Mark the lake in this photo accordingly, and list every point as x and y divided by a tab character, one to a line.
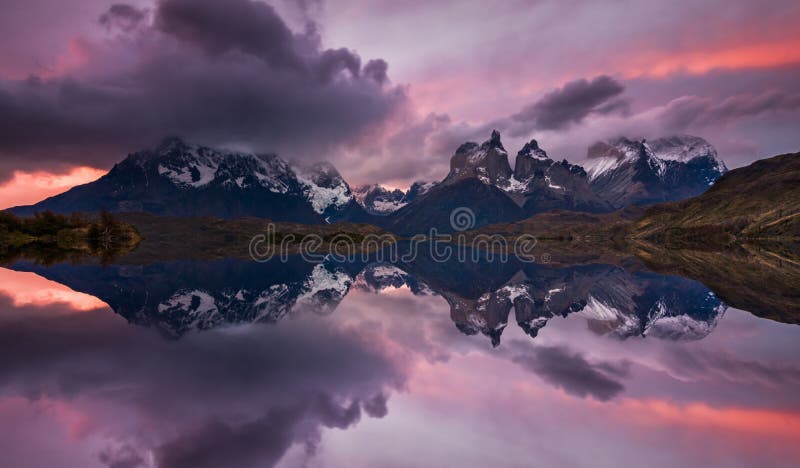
236	363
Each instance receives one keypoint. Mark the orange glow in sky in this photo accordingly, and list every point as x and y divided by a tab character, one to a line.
703	61
26	188
756	422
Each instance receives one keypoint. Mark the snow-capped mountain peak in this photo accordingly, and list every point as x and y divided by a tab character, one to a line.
191	166
379	200
324	187
685	148
626	172
604	157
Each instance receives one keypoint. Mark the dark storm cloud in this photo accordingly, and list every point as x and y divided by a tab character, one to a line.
377	70
259	443
123	16
572	103
376	406
215	72
218	27
262	442
121	457
571	371
700	112
331	62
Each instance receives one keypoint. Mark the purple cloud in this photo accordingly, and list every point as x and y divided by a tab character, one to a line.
231	74
572	103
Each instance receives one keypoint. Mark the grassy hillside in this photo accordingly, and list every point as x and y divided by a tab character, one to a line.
757	202
760	201
762	278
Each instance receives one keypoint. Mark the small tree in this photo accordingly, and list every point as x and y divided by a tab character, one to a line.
107	229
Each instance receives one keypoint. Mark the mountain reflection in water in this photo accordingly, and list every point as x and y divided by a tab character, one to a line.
185	296
233	363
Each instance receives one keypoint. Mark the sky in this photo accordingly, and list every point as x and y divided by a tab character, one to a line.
385	90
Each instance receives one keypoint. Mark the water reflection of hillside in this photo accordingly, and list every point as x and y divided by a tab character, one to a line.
184	296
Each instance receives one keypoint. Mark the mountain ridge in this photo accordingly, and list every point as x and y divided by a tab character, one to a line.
177	178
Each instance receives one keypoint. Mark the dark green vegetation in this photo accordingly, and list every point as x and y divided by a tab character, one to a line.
210	238
48	237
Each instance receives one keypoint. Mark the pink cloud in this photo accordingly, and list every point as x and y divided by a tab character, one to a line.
26	188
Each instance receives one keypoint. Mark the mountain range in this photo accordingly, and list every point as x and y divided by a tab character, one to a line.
181	179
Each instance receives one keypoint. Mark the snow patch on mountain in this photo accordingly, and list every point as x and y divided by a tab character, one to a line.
599	166
274	302
272	172
387	206
684	148
194	302
422	187
324	288
597	310
684	327
382	271
324	187
623	324
552	292
322	198
512	185
513	292
605	157
191	168
551	184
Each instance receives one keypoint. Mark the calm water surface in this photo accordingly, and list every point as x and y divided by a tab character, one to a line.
230	363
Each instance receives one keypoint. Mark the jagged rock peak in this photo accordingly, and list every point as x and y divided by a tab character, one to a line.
487	162
530	159
494	141
467	147
532	148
